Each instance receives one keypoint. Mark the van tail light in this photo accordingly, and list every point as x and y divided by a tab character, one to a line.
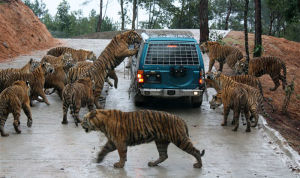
140	76
201	81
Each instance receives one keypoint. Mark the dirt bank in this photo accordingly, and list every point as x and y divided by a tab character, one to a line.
21	31
289	52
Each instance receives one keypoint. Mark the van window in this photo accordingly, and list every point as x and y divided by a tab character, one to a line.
172	54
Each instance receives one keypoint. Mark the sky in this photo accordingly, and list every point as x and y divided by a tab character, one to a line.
113	7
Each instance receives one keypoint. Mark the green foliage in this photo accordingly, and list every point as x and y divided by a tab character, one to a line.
68	24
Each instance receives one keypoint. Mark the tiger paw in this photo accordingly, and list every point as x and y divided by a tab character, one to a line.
29	123
151	164
248	130
197	165
119	165
64	122
18	131
224	124
235	129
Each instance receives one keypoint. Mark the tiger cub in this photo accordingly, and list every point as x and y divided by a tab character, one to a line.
264	65
234	98
12	100
124	129
75	96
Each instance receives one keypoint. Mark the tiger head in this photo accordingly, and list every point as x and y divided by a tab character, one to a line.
47	68
206	45
67	60
91	56
241	67
131	37
216	101
33	64
94	120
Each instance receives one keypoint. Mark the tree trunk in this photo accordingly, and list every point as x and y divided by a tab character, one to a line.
246	29
271	23
228	14
203	18
122	15
100	17
258	42
134	14
181	13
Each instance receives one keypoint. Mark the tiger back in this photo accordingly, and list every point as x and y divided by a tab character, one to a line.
264	65
79	55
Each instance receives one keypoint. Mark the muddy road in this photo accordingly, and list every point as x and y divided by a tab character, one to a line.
50	149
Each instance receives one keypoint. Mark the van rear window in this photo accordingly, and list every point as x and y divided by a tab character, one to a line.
172	54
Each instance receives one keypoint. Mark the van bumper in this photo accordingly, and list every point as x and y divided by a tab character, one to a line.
170	92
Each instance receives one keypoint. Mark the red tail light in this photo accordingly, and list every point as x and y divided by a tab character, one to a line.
201	78
140	76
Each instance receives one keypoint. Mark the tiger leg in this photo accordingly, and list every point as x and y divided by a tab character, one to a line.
122	150
162	147
236	115
75	112
112	74
255	115
16	113
283	81
43	95
65	112
247	115
90	104
226	112
97	94
186	145
211	64
26	109
275	78
2	123
108	147
221	66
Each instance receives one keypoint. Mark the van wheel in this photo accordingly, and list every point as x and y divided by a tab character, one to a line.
196	101
139	100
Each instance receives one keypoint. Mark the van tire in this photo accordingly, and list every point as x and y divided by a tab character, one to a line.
196	101
139	100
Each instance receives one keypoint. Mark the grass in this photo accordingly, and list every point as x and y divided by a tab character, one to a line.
298	96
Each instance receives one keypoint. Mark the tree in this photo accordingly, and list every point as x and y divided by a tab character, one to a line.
258	30
203	18
246	29
100	17
38	7
134	8
228	14
122	14
63	17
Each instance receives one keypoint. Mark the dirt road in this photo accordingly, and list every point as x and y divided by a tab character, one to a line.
50	149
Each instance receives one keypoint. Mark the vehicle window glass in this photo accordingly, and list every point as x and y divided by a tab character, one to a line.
172	54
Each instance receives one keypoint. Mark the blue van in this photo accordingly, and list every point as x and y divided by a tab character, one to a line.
168	66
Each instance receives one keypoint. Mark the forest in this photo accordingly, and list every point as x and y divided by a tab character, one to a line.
280	18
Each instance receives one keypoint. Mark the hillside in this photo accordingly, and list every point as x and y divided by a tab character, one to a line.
21	31
289	52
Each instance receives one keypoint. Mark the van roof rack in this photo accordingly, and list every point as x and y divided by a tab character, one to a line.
166	33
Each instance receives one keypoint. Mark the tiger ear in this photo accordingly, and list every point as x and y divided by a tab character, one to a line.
27	83
31	60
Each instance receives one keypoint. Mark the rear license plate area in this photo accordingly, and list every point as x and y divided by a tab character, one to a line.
171	92
152	77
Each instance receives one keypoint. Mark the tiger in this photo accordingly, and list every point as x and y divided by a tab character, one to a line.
76	95
255	98
76	71
223	54
12	100
30	66
124	129
61	60
264	65
58	79
77	54
235	98
245	79
36	80
114	53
